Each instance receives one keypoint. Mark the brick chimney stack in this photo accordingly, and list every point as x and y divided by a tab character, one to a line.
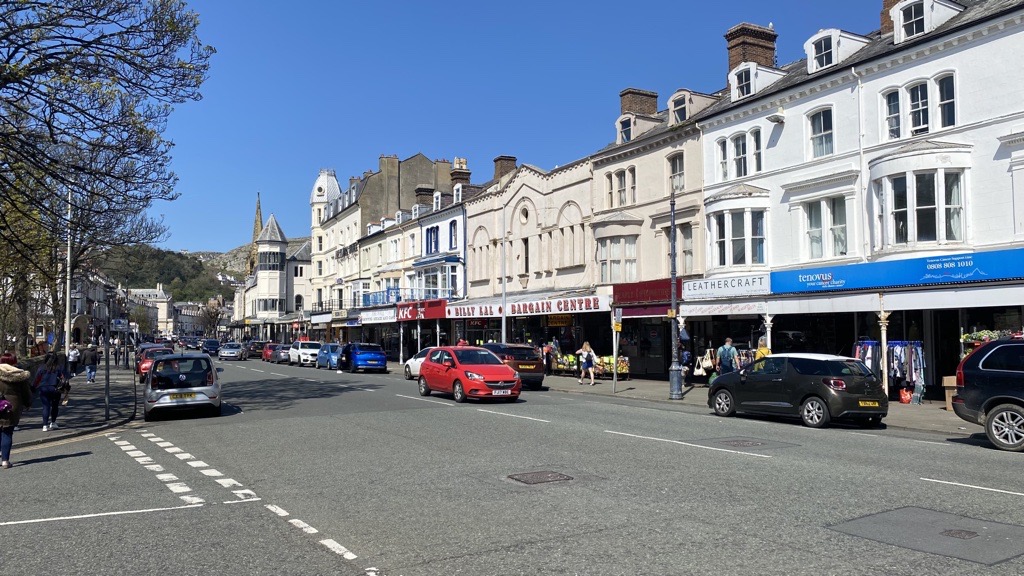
460	173
751	43
636	101
886	21
503	165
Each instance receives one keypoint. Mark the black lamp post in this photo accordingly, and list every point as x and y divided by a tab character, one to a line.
675	371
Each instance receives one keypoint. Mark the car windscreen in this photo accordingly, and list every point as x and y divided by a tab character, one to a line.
331	348
369	348
153	352
211	343
476	357
232	346
181	373
520	353
840	368
309	345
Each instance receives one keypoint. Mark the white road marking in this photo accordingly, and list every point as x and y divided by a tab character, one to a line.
192	499
228	482
144	460
426	400
689	444
122	442
155	439
255	370
973	486
155	468
276	374
311	380
864	434
97	515
303	526
184	456
166	477
277	510
198	464
244	494
173	450
930	442
512	415
136	453
148	435
165	444
128	447
241	501
211	472
338	549
178	487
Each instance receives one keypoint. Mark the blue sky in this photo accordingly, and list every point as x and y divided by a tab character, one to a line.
334	84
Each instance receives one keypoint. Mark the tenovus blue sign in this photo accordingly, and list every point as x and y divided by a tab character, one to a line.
952	269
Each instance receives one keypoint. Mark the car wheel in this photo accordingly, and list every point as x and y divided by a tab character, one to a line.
814	413
424	389
408	373
723	404
290	363
458	392
1004	426
147	417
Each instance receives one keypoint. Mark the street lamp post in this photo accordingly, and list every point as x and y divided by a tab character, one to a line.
504	297
675	371
67	292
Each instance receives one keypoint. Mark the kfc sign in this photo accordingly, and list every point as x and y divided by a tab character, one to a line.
421	310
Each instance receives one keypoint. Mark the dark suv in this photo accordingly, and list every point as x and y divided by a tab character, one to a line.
990	392
523	358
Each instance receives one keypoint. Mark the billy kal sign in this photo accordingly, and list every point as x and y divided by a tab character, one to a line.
540	307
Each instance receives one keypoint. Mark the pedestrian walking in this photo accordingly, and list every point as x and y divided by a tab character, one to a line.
49	382
727	357
15	391
90	358
762	349
586	358
117	351
73	356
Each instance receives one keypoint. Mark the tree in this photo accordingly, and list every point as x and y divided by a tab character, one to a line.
209	317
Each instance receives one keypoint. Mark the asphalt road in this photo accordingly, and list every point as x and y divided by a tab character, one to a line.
315	472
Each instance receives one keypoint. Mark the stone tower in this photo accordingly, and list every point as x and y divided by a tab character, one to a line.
257	227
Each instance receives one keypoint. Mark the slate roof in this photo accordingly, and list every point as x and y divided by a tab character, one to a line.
271	232
302	253
328	183
923	146
975	11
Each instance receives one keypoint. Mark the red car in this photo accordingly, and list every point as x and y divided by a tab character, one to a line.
146	360
468	372
268	349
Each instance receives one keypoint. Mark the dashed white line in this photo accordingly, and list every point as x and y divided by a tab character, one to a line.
154	468
97	515
864	434
156	439
228	482
165	444
242	501
198	464
178	487
122	442
192	499
147	435
173	450
255	370
184	456
930	442
973	486
303	526
136	453
211	472
512	415
166	477
338	549
276	374
144	460
426	400
689	444
128	447
277	510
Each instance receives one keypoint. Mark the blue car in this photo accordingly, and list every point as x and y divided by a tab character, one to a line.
328	356
210	346
363	356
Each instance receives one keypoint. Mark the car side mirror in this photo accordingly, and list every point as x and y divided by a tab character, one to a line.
449	363
220	369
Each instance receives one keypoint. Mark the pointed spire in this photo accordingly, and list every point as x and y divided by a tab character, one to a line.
257	225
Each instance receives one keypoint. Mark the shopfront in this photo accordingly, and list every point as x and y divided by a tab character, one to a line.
714	309
646	337
421	323
925	309
320	326
380	326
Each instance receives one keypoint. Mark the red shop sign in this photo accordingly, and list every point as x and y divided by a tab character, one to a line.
421	310
646	292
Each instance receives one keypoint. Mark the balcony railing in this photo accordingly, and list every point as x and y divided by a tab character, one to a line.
384	297
326	306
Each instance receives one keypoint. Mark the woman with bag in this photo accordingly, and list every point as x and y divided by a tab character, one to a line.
15	396
50	381
586	357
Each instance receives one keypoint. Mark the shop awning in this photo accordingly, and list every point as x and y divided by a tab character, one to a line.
439	259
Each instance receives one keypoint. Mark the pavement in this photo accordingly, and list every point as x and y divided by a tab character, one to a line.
86	410
86	413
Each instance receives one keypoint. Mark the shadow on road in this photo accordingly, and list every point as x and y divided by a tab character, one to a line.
51	458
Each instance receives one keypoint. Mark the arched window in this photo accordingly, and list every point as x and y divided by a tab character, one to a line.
298	302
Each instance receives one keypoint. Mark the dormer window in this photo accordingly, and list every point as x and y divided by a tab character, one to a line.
457	193
823	52
913	20
743	83
625	130
415	210
437	201
398	217
679	109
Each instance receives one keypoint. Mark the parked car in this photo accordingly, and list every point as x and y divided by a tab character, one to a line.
210	346
990	392
279	354
815	387
255	348
303	353
412	365
146	360
192	343
142	348
181	382
468	372
363	356
268	348
232	351
523	358
328	356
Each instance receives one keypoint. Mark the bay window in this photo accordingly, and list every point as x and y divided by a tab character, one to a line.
739	237
617	259
925	207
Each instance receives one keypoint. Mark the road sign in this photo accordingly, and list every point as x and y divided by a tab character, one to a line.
617	326
120	324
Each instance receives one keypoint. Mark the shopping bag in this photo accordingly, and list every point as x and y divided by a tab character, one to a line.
905	395
711	380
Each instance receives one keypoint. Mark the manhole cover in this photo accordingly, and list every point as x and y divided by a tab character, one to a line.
539	477
742	443
961	534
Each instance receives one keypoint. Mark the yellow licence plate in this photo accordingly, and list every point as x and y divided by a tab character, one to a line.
527	366
868	404
183	396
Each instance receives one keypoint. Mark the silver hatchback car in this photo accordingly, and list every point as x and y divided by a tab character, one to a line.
182	382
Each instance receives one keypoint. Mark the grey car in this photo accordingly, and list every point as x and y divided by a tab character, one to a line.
232	351
180	382
279	354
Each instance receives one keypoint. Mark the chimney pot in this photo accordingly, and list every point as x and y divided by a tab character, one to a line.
637	101
886	20
503	165
460	173
751	43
